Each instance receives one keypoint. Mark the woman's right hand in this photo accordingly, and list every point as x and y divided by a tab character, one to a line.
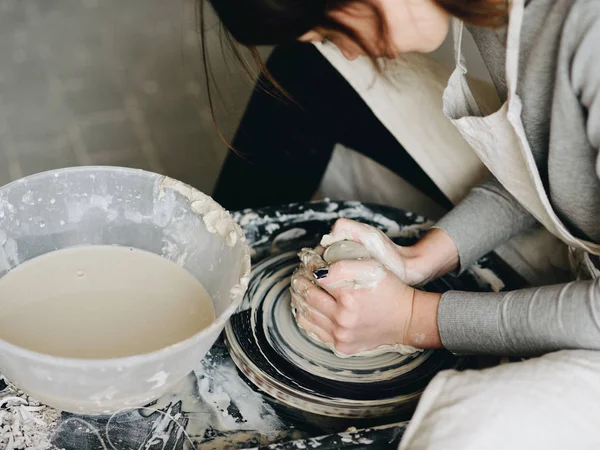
434	255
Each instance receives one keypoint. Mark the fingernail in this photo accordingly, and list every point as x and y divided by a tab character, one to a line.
319	274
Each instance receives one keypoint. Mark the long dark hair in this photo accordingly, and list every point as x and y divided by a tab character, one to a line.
253	23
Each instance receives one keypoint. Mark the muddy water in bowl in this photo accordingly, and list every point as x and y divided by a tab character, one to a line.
101	302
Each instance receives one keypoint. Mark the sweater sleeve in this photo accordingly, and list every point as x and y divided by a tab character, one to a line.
585	76
525	322
487	218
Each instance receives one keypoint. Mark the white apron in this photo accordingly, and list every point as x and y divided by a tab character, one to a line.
499	140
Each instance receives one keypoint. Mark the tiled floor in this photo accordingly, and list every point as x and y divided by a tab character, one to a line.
110	82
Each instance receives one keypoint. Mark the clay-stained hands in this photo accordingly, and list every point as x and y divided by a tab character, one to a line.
362	305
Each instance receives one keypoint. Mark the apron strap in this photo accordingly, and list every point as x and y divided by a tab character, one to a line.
457	35
513	42
471	106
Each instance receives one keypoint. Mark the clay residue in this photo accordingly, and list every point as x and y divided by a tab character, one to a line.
488	277
351	210
216	219
24	422
311	259
9	253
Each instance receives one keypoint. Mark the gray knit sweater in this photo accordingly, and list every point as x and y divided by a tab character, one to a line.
559	84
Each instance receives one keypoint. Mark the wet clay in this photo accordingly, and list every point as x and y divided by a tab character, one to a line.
101	302
344	250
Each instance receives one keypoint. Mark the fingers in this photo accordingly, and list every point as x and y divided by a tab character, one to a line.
311	328
312	258
314	297
304	310
350	275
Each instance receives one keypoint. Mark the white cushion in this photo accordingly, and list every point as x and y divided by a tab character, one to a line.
552	402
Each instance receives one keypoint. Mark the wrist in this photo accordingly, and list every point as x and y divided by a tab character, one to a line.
423	331
433	256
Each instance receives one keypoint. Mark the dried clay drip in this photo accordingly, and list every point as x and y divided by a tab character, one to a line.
107	444
24	422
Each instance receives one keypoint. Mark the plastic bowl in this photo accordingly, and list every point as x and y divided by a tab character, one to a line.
126	207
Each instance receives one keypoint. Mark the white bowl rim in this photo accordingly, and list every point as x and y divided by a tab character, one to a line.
123	362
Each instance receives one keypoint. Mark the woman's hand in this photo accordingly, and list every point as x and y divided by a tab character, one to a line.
360	305
431	257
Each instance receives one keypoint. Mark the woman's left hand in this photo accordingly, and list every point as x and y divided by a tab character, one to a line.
359	305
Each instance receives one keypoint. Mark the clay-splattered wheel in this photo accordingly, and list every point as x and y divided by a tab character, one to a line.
273	354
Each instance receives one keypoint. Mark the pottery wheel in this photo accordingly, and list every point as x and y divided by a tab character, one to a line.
270	350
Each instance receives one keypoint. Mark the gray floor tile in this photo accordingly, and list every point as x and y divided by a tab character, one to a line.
124	158
107	137
27	125
109	82
4	172
190	158
181	114
102	97
46	158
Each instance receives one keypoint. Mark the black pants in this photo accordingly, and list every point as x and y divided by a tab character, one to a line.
285	147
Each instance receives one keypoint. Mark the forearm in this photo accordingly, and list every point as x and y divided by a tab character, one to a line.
487	218
433	256
524	322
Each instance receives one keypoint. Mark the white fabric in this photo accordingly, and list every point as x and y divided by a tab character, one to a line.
407	100
499	140
352	176
552	402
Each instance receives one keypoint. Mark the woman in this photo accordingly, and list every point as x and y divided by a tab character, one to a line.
542	148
